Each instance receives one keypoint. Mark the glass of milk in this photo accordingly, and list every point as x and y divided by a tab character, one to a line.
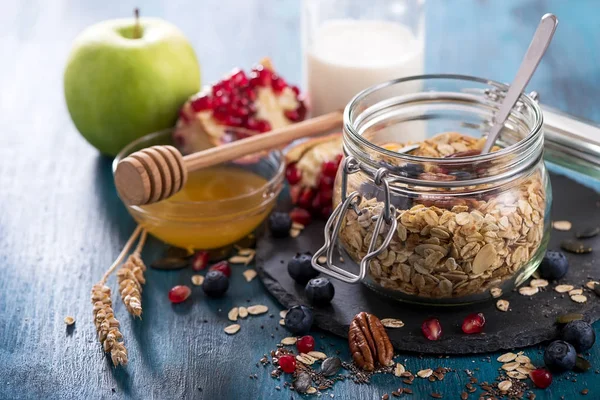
350	45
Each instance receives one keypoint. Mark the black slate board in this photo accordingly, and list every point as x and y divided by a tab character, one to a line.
530	320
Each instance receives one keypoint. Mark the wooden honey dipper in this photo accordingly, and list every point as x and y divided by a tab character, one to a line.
158	172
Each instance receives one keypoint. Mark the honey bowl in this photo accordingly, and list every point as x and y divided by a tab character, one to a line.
218	206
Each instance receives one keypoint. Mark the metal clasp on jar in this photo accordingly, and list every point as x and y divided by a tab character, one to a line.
334	224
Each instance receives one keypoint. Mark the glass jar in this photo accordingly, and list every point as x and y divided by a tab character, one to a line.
350	45
443	224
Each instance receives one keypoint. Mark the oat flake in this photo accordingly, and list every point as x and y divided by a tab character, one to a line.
510	366
233	314
243	312
528	290
283	313
538	283
288	341
590	285
502	305
249	274
575	291
311	390
507	357
295	232
504	386
563	288
282	322
317	355
399	370
579	298
562	225
232	329
425	373
69	320
257	309
496	292
523	359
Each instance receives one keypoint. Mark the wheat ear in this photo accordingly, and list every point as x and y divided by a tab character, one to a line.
107	325
131	278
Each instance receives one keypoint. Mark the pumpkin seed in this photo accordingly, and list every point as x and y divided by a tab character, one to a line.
289	341
170	263
232	329
582	364
302	382
331	366
587	233
563	288
562	225
573	246
566	318
257	309
392	323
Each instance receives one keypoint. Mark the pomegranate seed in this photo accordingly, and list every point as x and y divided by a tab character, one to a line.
326	212
231	120
292	115
222	100
293	174
222	266
238	78
325	196
221	114
202	103
305	199
301	110
329	168
473	323
305	344
263	75
287	363
431	329
200	260
259	125
300	216
184	116
295	192
295	89
278	84
325	183
541	377
338	159
316	203
179	294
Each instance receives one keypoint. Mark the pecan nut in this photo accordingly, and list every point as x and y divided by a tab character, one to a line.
369	342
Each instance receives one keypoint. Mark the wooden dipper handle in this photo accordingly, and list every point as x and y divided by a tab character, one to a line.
158	172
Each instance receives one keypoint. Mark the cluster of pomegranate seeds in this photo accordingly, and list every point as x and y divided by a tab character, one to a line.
232	99
317	200
305	344
287	363
300	216
179	294
432	329
541	377
473	323
222	266
200	260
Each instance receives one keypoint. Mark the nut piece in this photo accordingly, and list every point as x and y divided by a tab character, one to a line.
233	314
232	329
392	323
563	288
197	280
425	373
502	305
249	274
289	341
399	370
305	359
562	225
257	309
243	312
283	313
369	342
69	320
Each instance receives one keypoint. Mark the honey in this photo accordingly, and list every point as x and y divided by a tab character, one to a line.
217	207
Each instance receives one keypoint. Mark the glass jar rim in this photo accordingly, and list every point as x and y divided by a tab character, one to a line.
349	118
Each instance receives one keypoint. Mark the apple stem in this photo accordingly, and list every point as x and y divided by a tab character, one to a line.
137	31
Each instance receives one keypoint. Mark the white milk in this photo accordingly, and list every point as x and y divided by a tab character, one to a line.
347	56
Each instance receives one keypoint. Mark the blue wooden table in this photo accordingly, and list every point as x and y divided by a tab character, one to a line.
61	223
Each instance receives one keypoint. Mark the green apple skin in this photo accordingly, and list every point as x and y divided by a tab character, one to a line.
119	88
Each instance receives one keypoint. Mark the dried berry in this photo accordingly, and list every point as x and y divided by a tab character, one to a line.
331	366
300	215
179	294
287	363
473	323
305	344
293	174
541	377
432	329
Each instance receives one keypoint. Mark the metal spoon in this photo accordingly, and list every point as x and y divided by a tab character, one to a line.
541	39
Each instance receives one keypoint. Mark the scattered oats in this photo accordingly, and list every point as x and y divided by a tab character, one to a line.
425	373
295	232
399	370
69	320
538	283
288	341
282	322
507	357
297	225
197	280
305	360
246	252
322	260
523	370
342	259
249	274
504	386
579	298
232	329
511	366
238	260
562	225
516	375
317	355
529	366
233	314
311	390
563	288
484	258
522	359
502	305
496	292
575	291
257	309
392	323
528	290
283	313
243	312
590	285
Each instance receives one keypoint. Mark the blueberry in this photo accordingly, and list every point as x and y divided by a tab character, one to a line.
299	319
560	356
300	268
319	291
215	284
580	334
280	224
554	265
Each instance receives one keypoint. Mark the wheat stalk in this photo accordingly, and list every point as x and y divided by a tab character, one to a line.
107	325
131	278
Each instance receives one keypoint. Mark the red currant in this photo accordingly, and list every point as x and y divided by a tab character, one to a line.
287	363
432	329
541	377
222	266
473	323
305	344
179	294
300	216
200	260
293	174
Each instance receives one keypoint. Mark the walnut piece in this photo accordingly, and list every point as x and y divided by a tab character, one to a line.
369	342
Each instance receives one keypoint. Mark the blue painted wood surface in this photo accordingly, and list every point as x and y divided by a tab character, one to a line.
61	223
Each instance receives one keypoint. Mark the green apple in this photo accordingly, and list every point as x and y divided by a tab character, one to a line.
124	80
